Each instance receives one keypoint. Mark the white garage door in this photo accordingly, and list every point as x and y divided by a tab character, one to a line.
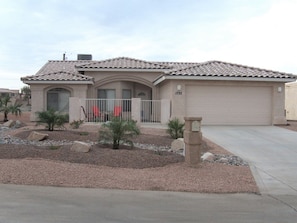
228	105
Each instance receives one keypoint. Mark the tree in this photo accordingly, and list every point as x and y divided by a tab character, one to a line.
52	119
7	108
26	91
118	131
175	128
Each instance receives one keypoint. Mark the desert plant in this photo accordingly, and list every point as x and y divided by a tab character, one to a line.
83	133
26	91
54	147
118	131
175	128
76	123
52	119
7	108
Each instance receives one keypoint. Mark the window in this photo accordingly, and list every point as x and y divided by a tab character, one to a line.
106	105
126	94
58	99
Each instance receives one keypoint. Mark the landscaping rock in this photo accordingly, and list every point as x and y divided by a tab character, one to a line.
9	123
18	124
208	157
177	145
37	136
223	160
80	147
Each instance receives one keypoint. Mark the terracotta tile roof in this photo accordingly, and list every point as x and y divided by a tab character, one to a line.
58	76
53	66
59	70
177	65
223	69
123	63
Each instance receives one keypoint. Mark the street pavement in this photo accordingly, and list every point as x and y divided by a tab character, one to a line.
24	204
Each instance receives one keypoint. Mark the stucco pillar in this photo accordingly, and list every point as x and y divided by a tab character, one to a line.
74	109
37	102
279	117
135	109
165	111
193	140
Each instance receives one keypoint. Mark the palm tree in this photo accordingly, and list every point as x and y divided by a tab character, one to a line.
118	131
26	91
6	108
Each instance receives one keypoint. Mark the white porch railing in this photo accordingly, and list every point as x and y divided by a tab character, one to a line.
101	110
150	111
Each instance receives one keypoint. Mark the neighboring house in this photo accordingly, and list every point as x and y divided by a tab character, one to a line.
11	93
291	100
221	93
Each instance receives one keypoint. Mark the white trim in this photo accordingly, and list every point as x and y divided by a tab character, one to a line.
159	80
284	80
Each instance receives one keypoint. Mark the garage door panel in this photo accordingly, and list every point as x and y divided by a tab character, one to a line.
230	105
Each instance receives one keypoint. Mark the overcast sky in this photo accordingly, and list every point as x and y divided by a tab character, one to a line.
258	33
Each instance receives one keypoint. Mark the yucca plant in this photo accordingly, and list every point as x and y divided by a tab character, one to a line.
118	131
175	128
52	119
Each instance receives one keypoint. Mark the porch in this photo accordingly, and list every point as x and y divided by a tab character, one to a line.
101	110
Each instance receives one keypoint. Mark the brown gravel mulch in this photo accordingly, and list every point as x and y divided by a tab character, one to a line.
126	168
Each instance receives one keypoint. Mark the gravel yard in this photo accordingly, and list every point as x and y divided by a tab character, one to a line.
102	167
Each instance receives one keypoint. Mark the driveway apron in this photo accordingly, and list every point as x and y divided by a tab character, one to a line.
271	152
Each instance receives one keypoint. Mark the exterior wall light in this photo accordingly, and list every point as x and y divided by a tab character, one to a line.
178	90
279	89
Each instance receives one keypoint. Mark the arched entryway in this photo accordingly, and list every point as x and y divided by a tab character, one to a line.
58	99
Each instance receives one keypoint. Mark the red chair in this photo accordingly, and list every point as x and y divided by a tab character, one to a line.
96	111
117	111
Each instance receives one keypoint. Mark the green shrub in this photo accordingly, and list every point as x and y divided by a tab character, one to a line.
6	107
118	131
76	123
83	133
52	119
175	128
52	147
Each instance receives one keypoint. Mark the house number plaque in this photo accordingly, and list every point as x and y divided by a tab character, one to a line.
195	126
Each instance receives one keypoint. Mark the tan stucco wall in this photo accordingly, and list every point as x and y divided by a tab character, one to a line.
39	95
178	100
291	100
136	81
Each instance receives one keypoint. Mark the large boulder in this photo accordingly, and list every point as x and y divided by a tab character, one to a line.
37	136
80	147
177	145
9	123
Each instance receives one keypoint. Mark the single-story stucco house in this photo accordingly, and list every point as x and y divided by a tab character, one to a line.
219	92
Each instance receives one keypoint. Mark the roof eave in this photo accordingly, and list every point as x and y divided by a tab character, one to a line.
57	82
281	80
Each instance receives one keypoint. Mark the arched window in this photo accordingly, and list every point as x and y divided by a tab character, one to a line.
58	99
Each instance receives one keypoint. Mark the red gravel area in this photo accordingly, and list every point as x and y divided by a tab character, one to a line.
102	167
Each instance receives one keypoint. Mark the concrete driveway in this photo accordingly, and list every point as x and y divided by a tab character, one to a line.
271	152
